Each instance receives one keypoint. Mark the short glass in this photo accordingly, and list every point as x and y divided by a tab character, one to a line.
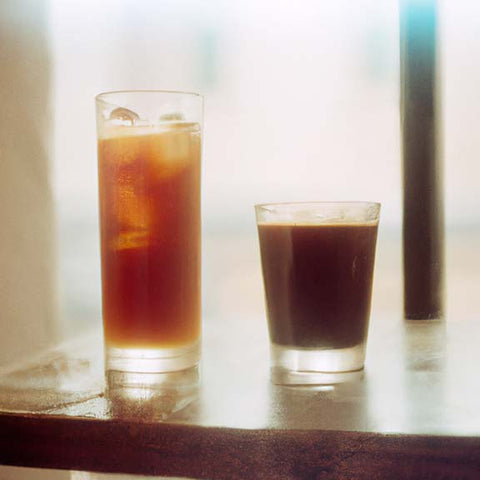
149	166
317	261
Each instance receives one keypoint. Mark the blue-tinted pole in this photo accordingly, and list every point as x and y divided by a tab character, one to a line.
423	217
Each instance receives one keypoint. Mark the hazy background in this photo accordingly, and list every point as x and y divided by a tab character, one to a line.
301	103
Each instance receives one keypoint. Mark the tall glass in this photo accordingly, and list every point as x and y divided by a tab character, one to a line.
149	165
317	261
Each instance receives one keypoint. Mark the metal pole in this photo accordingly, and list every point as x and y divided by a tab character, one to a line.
423	217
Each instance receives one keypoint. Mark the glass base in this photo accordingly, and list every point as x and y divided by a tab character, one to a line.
151	384
151	360
151	396
309	366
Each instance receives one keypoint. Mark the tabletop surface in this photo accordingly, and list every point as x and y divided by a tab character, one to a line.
420	385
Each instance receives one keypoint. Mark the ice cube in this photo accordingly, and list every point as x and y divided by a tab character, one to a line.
133	239
132	210
118	148
123	116
174	148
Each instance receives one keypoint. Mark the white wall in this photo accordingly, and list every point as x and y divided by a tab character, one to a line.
28	318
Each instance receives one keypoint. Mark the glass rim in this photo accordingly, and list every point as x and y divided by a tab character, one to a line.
319	213
330	203
100	96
